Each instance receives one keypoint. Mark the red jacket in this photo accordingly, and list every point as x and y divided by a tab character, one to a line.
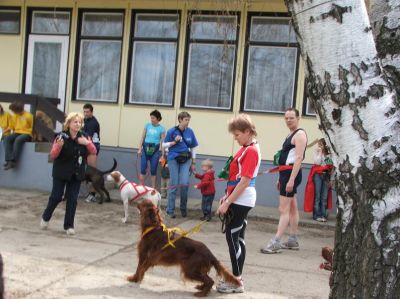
207	185
310	188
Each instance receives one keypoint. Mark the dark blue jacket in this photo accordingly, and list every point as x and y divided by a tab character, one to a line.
91	127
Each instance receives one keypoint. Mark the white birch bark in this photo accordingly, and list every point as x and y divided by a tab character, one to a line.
358	111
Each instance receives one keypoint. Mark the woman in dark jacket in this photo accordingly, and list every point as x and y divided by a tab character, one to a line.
69	151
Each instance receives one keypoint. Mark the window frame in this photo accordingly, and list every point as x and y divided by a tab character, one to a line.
189	41
133	39
306	100
77	57
13	9
249	43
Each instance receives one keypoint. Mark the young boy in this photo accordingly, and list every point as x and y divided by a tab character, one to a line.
164	177
207	188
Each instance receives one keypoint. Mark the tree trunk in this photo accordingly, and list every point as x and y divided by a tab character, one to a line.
385	23
358	111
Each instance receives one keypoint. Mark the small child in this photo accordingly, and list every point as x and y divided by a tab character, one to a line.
321	179
164	177
207	188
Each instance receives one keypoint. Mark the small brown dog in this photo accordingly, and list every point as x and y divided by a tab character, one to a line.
194	258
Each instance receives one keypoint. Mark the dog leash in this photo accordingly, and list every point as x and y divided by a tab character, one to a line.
225	219
181	232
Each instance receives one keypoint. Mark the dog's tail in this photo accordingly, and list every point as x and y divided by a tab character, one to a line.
224	273
111	169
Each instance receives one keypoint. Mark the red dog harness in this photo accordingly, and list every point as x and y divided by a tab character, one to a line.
135	187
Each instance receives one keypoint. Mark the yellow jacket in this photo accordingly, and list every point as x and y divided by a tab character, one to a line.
22	123
5	122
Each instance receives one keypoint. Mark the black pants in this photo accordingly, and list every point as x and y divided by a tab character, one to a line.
234	234
71	193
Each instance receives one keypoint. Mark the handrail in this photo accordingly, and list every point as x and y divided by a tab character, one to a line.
39	103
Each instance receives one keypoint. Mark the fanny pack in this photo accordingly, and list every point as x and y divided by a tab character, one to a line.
276	157
149	148
234	183
183	157
224	173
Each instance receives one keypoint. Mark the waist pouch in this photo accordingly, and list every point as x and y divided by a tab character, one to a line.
183	157
149	148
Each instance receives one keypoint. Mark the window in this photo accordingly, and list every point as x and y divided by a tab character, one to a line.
99	55
210	61
9	20
308	108
271	65
50	22
153	58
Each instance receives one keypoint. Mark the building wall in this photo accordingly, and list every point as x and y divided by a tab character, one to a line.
121	123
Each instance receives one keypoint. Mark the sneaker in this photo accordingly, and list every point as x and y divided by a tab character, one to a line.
227	287
321	219
272	247
90	198
290	244
184	214
43	224
172	216
203	218
70	232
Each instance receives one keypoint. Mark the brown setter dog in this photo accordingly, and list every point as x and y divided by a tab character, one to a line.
194	258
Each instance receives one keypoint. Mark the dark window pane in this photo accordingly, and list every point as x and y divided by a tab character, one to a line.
271	30
50	22
270	78
99	65
102	24
210	76
9	21
214	27
153	73
157	26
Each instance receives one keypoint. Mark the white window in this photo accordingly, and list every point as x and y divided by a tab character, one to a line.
100	44
271	65
9	21
210	61
153	58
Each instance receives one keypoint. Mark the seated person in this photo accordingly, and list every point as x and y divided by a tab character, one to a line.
21	128
5	123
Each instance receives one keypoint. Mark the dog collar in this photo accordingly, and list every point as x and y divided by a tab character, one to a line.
148	230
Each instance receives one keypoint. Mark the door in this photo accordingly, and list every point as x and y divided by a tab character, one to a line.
47	62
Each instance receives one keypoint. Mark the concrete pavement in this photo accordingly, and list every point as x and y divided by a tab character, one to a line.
94	262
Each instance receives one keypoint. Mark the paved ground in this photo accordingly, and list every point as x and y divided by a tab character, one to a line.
94	263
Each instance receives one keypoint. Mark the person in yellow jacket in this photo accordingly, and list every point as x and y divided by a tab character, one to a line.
22	122
5	123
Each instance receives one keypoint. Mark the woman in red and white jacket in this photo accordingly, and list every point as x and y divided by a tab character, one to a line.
241	195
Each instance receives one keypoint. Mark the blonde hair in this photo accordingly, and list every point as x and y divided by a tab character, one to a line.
242	122
207	163
70	117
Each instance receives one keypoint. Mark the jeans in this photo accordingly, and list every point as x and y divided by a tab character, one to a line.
71	195
13	145
206	204
320	194
154	158
179	175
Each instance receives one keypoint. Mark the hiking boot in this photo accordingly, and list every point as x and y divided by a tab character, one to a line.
227	287
271	247
290	244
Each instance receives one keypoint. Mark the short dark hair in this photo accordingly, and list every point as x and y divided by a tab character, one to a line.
295	111
183	114
156	114
17	107
88	106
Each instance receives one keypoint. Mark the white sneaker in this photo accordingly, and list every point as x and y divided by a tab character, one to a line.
90	198
227	287
43	224
70	232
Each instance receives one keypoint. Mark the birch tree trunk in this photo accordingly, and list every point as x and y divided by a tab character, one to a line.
358	111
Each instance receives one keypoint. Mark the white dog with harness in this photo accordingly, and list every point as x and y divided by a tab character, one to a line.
131	192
